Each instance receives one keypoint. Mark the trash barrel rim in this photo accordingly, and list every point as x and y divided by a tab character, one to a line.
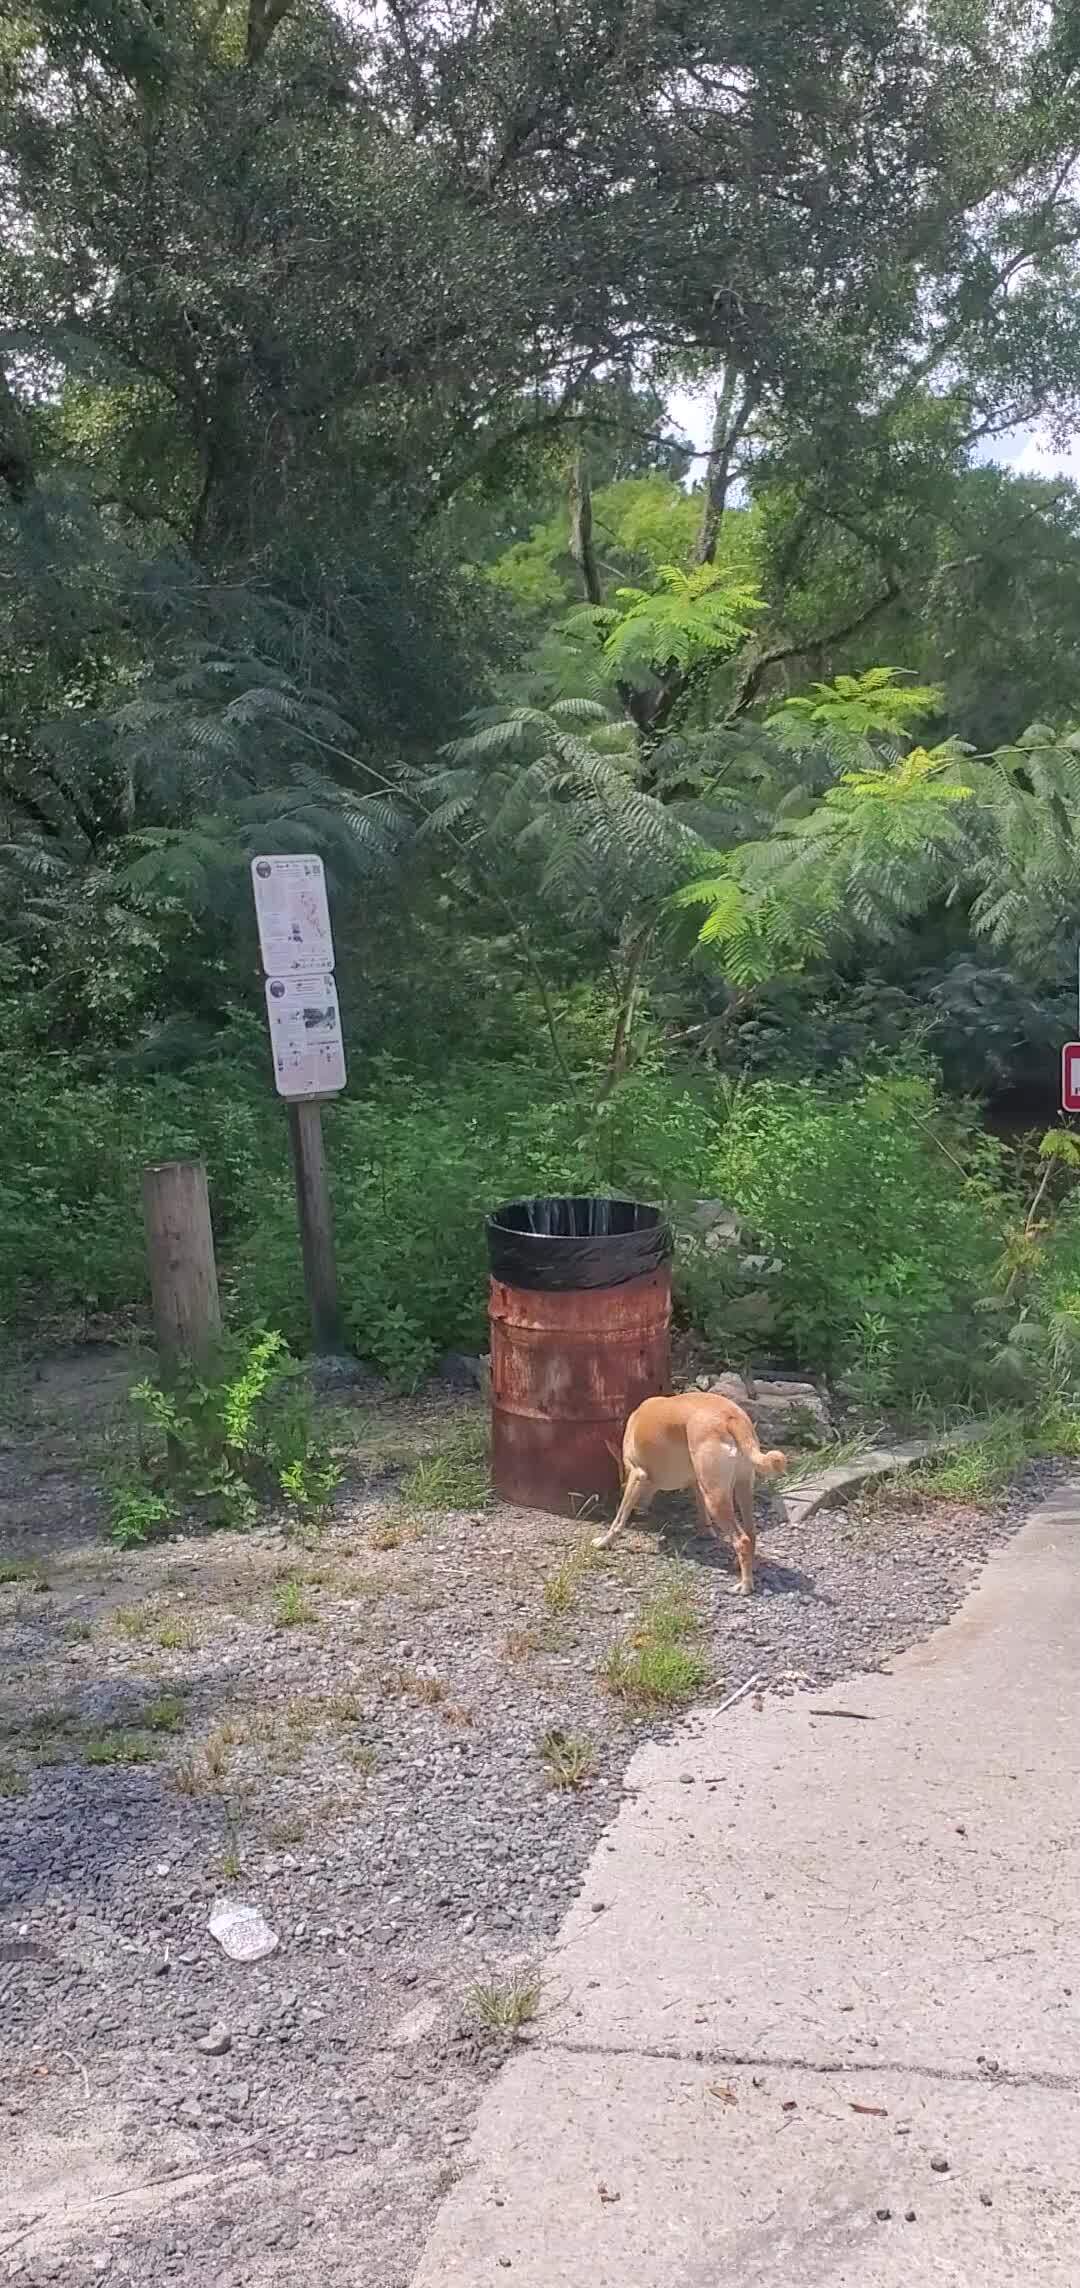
551	1261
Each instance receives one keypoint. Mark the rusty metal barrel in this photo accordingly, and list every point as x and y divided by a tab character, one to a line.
580	1311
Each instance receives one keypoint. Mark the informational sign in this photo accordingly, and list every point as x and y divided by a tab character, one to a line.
1070	1077
293	916
305	1035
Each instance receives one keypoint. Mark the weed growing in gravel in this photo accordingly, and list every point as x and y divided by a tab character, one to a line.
457	1477
175	1635
568	1759
363	1759
77	1632
136	1512
657	1666
45	1736
21	1572
291	1607
394	1529
12	1782
52	1748
134	1621
519	1643
119	1748
976	1471
502	2006
203	1772
428	1690
166	1714
561	1587
290	1828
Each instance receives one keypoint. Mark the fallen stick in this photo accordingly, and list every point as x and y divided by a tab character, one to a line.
855	1715
743	1689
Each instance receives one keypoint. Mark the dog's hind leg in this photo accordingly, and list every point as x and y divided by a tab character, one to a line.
634	1490
727	1503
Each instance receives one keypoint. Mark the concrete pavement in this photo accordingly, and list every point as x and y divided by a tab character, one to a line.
815	2020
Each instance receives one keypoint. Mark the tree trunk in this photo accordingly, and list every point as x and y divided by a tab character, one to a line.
627	1010
16	460
731	413
581	529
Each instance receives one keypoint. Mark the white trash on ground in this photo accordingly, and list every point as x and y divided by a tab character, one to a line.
241	1931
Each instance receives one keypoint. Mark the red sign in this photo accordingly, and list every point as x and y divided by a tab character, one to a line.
1070	1077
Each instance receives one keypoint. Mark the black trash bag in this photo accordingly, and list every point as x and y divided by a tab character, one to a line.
562	1244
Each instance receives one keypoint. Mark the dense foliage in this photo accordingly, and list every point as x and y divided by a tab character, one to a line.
669	799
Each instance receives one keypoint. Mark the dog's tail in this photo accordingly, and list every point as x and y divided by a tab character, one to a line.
744	1436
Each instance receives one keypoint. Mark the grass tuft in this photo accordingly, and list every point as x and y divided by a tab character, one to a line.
458	1476
22	1573
291	1608
659	1665
176	1635
119	1747
166	1714
561	1587
133	1621
978	1470
203	1771
502	2006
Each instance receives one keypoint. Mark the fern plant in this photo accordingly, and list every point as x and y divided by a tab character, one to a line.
880	703
556	789
688	619
887	827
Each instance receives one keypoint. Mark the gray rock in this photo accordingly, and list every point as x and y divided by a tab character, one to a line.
463	1371
215	2043
714	1224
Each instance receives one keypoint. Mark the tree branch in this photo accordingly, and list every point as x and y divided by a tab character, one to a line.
756	664
263	18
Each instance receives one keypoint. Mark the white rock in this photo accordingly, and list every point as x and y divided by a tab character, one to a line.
241	1931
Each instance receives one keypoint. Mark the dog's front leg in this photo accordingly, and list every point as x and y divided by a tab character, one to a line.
636	1482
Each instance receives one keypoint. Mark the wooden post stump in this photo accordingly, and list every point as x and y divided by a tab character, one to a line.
183	1272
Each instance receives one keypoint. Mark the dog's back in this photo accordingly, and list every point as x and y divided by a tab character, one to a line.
664	1434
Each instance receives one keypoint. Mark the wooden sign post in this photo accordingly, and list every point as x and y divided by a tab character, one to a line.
309	1056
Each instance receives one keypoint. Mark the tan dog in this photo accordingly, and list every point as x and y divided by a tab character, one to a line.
699	1440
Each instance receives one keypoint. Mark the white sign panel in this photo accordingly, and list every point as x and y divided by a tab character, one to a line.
305	1035
293	916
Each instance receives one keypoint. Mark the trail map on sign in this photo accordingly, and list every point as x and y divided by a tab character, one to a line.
293	916
305	1035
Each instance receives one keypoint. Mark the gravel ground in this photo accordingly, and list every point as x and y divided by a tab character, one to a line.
347	1737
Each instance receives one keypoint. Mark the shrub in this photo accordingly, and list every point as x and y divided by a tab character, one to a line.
223	1437
886	1217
